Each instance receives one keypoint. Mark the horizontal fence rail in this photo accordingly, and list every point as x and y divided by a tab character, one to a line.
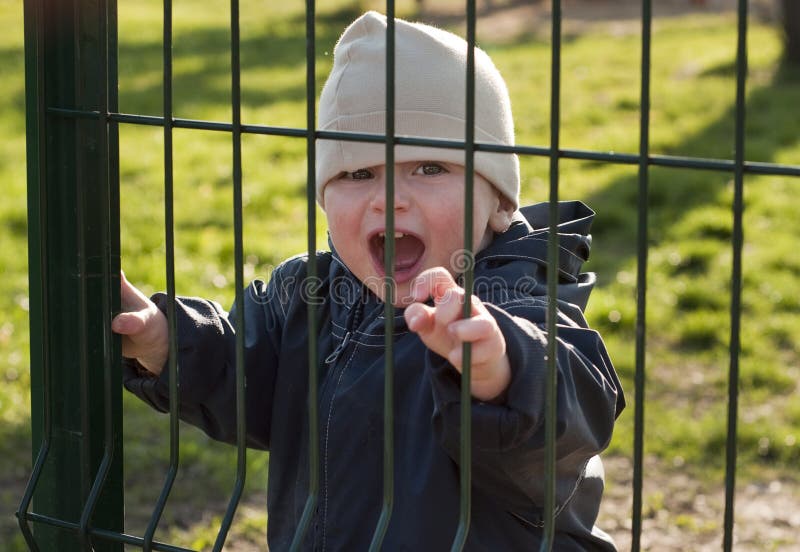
74	499
620	158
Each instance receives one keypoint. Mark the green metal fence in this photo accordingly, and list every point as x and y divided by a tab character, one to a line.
73	173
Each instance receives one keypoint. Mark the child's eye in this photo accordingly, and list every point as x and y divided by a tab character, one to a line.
360	174
430	169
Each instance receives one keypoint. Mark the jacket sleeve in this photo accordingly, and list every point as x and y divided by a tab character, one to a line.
508	444
206	340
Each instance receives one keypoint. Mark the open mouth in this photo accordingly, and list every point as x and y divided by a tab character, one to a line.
408	251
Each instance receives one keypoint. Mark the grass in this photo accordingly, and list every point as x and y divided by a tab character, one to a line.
690	226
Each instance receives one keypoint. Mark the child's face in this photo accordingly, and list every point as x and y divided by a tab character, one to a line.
428	220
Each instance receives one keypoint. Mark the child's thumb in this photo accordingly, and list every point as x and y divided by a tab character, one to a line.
127	323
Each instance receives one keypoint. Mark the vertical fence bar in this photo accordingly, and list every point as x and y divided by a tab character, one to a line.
641	278
83	314
100	392
552	282
389	293
311	214
236	144
68	181
736	276
106	280
465	424
169	243
41	410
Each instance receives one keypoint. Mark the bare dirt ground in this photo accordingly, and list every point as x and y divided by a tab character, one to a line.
681	513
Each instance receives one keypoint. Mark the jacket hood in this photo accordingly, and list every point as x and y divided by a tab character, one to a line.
519	255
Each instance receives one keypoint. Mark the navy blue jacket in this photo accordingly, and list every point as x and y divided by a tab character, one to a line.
508	435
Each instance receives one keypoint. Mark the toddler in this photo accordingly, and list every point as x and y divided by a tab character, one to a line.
506	328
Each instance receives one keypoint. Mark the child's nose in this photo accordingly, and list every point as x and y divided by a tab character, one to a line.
401	195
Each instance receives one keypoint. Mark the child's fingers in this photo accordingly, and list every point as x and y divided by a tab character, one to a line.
144	331
420	318
443	330
137	309
434	282
482	351
447	295
450	306
473	329
131	298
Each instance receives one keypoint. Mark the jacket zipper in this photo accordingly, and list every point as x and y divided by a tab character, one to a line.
329	389
334	356
353	323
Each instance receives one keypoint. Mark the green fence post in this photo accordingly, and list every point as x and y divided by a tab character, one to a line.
76	486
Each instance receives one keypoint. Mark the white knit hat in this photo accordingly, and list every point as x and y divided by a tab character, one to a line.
430	101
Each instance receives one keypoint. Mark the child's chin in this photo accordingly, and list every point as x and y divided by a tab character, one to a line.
402	296
401	293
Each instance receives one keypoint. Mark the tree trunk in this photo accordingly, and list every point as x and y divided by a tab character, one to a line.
791	27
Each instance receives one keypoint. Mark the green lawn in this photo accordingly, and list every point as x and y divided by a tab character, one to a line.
690	225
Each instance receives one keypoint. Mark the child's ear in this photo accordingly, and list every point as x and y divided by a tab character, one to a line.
500	219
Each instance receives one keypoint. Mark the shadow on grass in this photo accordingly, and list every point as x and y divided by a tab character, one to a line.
674	193
202	65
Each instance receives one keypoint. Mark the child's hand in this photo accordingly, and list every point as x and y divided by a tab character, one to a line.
443	330
144	329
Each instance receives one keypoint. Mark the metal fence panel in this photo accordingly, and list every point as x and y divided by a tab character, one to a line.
75	495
